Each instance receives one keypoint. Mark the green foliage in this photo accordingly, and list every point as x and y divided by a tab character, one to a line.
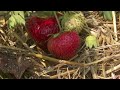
3	12
107	15
16	18
43	14
27	13
91	41
11	22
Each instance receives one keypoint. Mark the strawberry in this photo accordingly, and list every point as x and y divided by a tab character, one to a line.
73	21
40	29
65	45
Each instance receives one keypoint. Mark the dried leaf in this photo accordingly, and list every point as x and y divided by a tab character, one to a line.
11	63
2	21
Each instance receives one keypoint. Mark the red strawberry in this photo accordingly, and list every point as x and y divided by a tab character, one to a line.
65	45
40	29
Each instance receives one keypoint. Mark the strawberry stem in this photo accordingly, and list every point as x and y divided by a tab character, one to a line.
57	20
56	60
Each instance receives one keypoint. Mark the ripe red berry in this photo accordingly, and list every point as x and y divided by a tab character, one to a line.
40	29
65	45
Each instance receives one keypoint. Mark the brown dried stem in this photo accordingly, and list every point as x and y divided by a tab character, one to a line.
62	74
113	69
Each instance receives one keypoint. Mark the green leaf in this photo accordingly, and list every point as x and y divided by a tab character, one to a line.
11	22
44	14
19	20
107	15
21	13
27	13
3	12
91	41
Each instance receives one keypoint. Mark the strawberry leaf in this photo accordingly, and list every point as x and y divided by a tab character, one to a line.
16	18
107	15
11	22
19	20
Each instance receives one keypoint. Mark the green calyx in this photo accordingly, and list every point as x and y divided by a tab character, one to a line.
91	41
73	21
56	35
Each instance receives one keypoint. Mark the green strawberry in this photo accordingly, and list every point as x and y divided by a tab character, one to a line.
73	21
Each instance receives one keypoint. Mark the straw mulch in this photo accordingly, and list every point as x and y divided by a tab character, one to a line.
20	58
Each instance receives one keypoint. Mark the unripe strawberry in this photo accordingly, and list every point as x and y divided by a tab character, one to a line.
73	21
